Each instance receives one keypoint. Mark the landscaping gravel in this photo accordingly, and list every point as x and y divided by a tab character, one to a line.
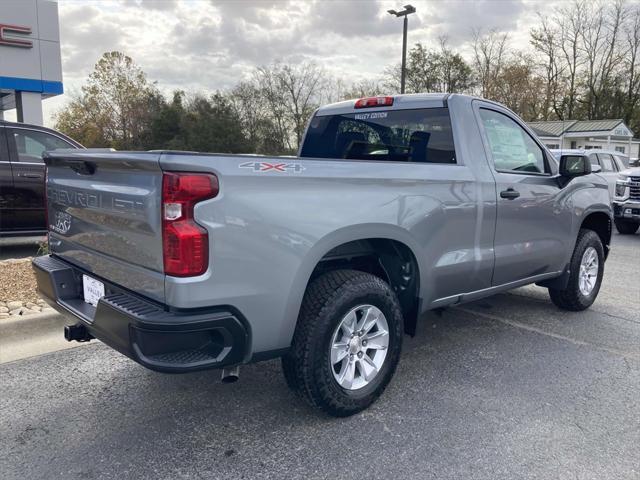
18	295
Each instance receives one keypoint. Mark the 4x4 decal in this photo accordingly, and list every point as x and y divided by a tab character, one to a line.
283	167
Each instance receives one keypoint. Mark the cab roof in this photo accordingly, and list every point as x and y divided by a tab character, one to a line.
31	126
584	151
400	102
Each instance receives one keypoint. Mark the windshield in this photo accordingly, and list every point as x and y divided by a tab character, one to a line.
395	135
624	160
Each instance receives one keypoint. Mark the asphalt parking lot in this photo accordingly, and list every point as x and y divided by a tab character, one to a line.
505	388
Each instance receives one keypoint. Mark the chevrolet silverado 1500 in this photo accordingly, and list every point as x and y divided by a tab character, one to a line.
394	206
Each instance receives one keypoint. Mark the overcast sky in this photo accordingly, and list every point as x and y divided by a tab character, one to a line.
209	45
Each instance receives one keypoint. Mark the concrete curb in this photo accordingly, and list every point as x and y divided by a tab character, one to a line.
25	321
22	241
30	335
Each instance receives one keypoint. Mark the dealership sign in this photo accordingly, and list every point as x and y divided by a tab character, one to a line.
13	30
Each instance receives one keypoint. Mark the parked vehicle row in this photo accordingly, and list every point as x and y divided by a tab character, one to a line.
609	163
394	206
623	182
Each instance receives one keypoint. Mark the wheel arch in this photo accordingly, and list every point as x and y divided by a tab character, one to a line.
393	249
601	223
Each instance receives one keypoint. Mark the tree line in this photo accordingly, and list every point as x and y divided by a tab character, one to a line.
583	63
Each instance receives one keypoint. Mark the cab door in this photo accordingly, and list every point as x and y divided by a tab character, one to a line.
26	147
533	226
6	185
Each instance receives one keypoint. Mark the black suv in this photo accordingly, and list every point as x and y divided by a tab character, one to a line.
22	176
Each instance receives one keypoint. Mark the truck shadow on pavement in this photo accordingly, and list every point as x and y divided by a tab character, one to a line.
457	344
481	331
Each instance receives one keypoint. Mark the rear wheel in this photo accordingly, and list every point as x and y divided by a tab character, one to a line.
587	268
625	227
347	343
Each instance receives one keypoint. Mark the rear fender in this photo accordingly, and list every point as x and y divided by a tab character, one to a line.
325	245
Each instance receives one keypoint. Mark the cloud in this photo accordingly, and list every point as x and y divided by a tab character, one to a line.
355	19
212	44
166	5
458	19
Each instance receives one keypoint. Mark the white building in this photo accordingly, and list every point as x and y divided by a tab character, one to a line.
30	66
588	134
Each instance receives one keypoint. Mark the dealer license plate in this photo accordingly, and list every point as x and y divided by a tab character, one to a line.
93	290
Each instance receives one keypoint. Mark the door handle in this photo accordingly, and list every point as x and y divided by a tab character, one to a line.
510	193
30	175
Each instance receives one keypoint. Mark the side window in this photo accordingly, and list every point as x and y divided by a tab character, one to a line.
31	144
4	154
607	162
593	159
512	147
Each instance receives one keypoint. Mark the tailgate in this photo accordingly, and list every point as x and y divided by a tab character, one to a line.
104	216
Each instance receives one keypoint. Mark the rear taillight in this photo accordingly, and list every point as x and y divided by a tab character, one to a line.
185	243
374	102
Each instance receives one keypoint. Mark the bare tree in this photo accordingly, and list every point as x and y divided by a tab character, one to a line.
518	86
588	55
291	93
440	70
546	41
358	89
570	22
256	123
454	72
489	52
599	47
631	71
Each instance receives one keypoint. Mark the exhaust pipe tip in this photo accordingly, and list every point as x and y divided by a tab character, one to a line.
230	375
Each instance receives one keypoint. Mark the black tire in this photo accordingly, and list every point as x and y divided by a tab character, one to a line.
625	227
571	298
307	366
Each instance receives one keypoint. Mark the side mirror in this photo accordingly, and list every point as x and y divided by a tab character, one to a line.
574	166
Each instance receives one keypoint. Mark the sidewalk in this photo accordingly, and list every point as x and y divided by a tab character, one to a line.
23	337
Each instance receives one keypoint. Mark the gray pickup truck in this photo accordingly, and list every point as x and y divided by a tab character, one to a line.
394	206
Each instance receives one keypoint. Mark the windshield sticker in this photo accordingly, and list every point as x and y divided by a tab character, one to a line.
370	116
260	167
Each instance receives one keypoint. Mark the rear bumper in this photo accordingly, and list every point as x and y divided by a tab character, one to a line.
628	210
154	335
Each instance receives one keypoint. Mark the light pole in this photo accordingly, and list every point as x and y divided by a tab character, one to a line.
408	9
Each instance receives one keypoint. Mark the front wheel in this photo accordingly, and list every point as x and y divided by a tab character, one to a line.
625	227
347	342
587	268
